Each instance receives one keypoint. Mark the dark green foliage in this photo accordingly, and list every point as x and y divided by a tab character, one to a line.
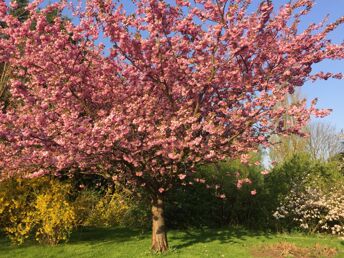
198	205
297	173
52	15
301	168
339	161
20	11
192	206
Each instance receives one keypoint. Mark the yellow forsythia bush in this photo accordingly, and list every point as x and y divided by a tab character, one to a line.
54	215
37	206
17	209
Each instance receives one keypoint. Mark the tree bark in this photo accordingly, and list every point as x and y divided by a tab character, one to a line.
159	237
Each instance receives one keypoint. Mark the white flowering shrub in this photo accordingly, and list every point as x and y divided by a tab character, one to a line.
314	209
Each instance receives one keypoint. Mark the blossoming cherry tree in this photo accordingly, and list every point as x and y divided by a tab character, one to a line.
146	96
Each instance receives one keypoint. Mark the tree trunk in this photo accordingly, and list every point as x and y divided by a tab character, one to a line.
159	238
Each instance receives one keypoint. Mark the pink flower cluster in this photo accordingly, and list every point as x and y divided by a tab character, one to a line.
241	182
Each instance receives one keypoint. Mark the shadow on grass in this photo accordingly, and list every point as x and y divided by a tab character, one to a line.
6	245
85	235
224	236
104	236
92	235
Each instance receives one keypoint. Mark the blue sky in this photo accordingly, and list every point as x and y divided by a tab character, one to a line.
331	92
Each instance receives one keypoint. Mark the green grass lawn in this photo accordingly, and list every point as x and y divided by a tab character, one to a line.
119	242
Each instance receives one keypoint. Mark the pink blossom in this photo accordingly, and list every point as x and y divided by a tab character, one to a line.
3	8
38	173
181	176
244	158
241	182
161	190
140	173
261	138
253	192
265	172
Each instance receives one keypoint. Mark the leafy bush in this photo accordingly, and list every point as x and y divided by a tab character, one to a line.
139	214
117	207
198	205
109	210
36	206
216	200
301	190
300	166
309	195
85	204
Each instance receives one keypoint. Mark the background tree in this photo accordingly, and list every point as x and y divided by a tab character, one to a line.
285	146
324	141
180	86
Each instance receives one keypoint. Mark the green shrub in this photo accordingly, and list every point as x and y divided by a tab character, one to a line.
139	213
117	207
302	191
84	205
200	204
197	205
110	209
